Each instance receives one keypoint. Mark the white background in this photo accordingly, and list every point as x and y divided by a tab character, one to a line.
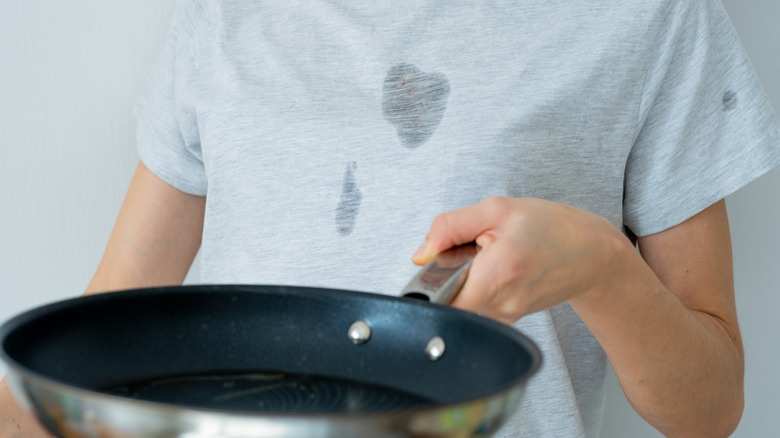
69	73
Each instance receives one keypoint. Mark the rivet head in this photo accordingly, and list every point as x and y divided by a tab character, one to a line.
359	332
435	348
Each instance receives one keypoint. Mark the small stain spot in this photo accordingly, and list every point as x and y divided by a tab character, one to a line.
729	100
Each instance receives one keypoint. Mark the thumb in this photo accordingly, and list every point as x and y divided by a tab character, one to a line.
453	228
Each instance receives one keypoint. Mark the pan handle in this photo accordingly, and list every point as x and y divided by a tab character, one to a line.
440	280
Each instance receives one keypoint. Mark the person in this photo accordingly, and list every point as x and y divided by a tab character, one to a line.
319	143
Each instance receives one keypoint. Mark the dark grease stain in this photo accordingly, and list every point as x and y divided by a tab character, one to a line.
349	204
414	102
729	100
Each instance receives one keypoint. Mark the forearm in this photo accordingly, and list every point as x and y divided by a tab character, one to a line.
681	369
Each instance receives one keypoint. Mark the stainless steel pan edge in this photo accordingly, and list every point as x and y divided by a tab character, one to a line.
70	411
74	412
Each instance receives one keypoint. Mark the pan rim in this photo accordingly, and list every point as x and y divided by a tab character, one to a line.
27	374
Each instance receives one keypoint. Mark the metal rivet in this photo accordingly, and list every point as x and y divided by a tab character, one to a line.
435	348
359	332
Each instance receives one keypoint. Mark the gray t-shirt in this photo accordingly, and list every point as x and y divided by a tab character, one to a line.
327	135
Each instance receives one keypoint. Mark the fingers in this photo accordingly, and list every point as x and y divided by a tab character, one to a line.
457	227
488	290
491	288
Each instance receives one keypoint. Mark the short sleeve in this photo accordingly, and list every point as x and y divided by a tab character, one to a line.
167	129
705	127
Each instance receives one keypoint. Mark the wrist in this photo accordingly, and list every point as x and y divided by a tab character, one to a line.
620	268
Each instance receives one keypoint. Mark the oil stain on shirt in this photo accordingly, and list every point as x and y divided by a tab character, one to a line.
729	100
414	102
349	204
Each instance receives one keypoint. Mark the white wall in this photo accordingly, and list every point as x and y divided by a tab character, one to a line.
69	72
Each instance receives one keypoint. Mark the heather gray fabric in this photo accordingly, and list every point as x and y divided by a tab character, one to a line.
327	135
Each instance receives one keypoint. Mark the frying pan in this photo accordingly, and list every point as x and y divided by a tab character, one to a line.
240	361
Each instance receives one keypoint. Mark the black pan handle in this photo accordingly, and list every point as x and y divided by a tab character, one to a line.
441	279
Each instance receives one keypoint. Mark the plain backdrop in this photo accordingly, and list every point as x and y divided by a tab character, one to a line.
69	74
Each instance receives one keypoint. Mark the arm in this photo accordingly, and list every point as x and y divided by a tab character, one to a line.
665	318
689	385
154	242
155	238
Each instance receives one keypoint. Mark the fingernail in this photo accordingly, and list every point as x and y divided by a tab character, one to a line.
419	252
422	255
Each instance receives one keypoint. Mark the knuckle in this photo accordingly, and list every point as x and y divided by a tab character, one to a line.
513	309
440	222
496	206
497	202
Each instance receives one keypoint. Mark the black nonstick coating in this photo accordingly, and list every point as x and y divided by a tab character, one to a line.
267	348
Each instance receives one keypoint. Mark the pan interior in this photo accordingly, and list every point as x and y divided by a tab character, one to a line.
271	391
